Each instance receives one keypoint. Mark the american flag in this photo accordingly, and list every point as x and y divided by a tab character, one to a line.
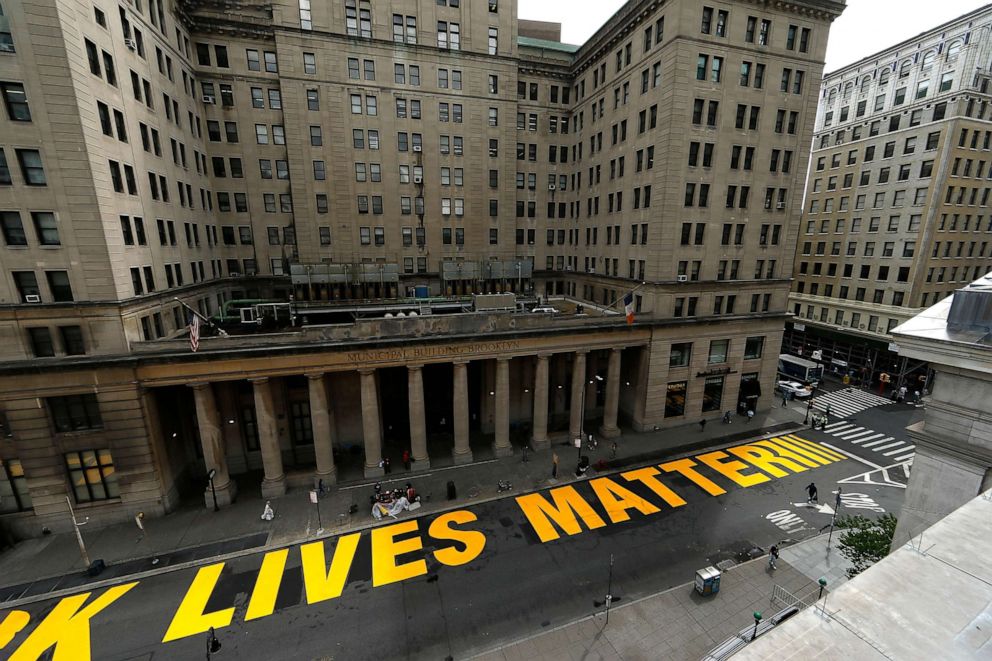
628	304
194	332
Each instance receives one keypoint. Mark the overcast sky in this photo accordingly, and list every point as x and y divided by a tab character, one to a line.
865	27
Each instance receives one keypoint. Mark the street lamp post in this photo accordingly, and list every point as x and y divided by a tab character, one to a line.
757	619
213	492
823	584
833	518
79	535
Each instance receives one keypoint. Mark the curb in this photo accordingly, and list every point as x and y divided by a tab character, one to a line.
674	453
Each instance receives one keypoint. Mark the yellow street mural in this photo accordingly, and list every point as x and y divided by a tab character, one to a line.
567	510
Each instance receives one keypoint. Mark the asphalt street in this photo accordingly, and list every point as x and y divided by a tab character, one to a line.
515	587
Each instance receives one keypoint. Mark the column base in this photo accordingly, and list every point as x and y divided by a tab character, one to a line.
420	464
274	488
607	432
374	471
502	450
463	458
225	495
329	478
538	444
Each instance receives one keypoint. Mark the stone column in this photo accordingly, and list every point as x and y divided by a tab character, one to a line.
371	428
418	425
214	457
540	427
501	446
462	453
322	422
274	482
592	366
612	404
576	403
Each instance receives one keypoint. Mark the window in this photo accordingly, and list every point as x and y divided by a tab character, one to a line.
15	101
93	475
31	167
13	229
271	65
309	63
46	228
681	355
753	348
713	393
58	283
718	351
74	413
675	399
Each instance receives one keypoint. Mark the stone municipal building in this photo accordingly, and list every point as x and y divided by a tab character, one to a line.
331	183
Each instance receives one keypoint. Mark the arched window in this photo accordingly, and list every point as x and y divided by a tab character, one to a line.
904	68
848	90
929	59
953	50
883	76
832	97
865	84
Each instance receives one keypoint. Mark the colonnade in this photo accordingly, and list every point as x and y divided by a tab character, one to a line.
322	419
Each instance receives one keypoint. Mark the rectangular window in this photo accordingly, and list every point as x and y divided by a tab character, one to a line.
675	399
74	413
93	475
718	351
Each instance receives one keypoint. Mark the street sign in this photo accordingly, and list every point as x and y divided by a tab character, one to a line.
798	327
313	496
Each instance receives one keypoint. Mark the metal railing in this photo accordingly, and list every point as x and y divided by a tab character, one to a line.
784	598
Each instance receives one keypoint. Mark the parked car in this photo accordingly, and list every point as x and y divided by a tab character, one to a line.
794	388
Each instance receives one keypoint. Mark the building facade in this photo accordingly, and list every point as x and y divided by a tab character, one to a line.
345	161
896	213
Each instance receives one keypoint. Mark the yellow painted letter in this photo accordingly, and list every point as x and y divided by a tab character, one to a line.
67	627
385	550
320	583
263	597
12	625
616	500
732	469
767	461
685	467
567	503
646	476
190	618
473	540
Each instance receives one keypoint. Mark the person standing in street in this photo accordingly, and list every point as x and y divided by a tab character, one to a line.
554	465
811	490
827	410
385	464
406	459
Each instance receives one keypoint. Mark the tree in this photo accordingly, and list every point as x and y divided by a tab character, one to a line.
864	542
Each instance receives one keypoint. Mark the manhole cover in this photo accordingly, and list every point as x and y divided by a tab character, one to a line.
724	565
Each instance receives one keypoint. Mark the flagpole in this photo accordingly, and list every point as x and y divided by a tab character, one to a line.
622	296
220	331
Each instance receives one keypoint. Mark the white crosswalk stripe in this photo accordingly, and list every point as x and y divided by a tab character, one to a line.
884	440
889	446
904	458
864	439
847	402
898	450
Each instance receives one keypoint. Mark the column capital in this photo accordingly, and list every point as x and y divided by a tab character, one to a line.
503	360
199	386
415	367
581	352
314	376
616	349
460	362
365	371
259	379
544	355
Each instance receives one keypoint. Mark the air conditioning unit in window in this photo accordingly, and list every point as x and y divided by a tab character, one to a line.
780	206
418	148
130	43
32	298
683	278
418	179
209	98
552	187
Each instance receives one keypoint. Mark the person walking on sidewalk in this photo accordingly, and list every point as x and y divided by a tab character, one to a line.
406	459
554	465
785	399
772	557
702	425
613	450
750	415
811	490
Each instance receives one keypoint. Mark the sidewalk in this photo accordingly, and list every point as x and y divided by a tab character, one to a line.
679	623
37	568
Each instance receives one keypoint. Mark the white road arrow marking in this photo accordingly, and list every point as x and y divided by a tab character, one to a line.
822	509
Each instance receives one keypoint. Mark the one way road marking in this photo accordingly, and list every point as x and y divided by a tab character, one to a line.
822	509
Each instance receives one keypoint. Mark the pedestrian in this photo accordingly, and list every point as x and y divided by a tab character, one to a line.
267	513
613	450
702	425
916	396
406	459
811	490
750	415
823	423
554	465
827	411
385	464
772	556
785	399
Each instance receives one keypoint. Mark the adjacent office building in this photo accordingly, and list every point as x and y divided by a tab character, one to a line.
896	214
317	172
